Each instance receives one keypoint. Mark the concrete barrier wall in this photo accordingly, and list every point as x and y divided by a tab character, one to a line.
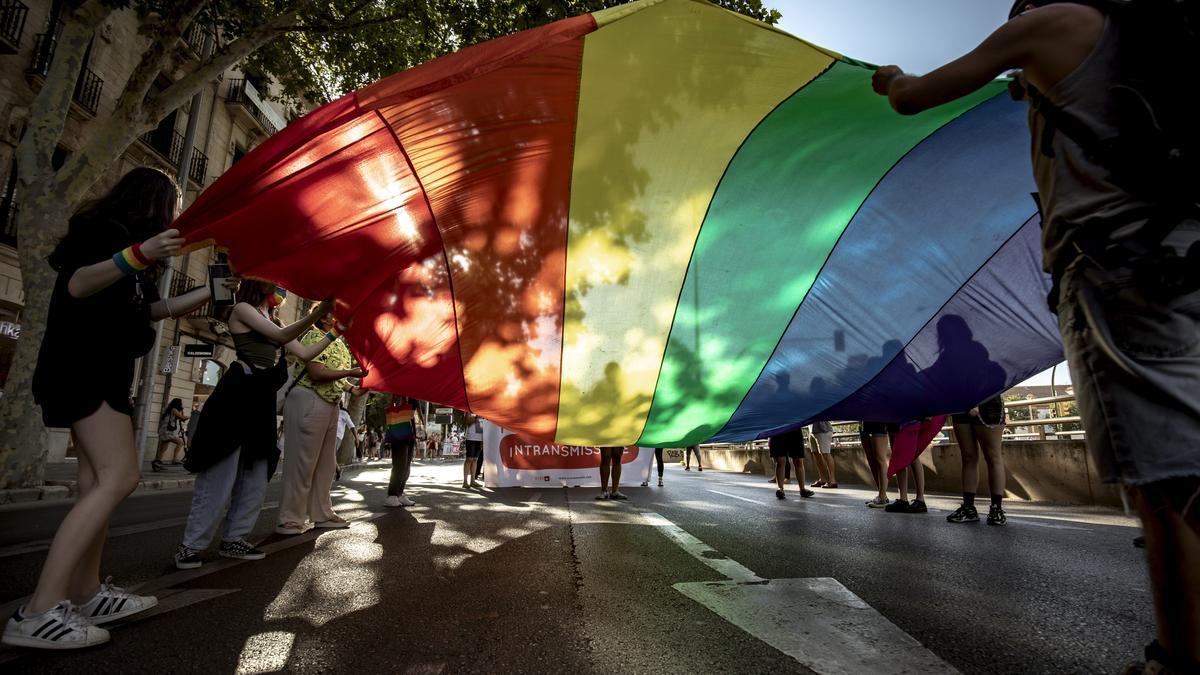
1045	471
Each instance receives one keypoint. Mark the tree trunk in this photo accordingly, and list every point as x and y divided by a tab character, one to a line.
22	436
358	407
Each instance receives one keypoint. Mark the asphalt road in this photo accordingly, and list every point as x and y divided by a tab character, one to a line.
708	574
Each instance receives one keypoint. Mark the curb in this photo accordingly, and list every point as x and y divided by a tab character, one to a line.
67	489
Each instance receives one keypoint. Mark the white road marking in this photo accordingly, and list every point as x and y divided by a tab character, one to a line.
726	494
1021	522
699	550
819	622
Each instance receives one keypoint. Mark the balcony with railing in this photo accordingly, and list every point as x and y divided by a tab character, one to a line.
170	148
182	283
194	36
12	24
9	209
244	100
87	88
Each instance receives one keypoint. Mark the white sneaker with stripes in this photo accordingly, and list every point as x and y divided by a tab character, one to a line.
60	627
113	603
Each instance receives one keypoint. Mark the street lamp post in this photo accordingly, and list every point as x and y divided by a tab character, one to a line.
150	362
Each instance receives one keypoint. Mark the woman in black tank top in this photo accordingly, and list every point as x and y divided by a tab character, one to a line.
235	448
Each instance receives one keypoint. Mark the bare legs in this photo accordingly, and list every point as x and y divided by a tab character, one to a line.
830	469
616	467
823	476
108	459
469	471
971	439
1170	513
169	452
990	439
610	468
877	457
918	471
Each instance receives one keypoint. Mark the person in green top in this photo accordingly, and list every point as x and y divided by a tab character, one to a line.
310	415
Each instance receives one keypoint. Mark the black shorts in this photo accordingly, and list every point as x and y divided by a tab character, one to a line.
879	428
63	406
991	413
473	449
790	450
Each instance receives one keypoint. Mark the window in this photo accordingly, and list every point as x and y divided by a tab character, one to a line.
211	373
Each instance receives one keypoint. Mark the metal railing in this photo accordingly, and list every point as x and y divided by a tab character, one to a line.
1011	425
170	148
43	53
194	36
9	209
242	92
88	86
12	24
181	283
87	90
198	171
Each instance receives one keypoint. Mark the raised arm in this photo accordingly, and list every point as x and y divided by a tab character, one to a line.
185	303
91	279
319	373
309	352
258	323
1044	42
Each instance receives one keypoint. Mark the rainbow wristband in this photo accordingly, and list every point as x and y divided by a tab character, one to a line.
332	335
131	260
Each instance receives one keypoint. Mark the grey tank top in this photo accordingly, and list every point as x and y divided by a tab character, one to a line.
1075	192
255	349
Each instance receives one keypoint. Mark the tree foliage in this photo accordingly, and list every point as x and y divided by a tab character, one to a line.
337	46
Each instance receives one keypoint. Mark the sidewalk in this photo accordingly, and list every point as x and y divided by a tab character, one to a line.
61	483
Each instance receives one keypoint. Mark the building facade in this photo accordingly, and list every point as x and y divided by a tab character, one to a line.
233	116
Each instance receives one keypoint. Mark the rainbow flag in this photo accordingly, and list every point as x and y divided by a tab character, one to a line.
399	420
655	225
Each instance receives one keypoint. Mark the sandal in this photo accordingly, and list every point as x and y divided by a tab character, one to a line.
334	523
289	528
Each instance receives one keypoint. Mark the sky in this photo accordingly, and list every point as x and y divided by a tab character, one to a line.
917	35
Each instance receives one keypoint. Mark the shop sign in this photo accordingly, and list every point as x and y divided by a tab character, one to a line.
171	358
10	330
204	350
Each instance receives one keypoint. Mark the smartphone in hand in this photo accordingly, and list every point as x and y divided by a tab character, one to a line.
217	274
